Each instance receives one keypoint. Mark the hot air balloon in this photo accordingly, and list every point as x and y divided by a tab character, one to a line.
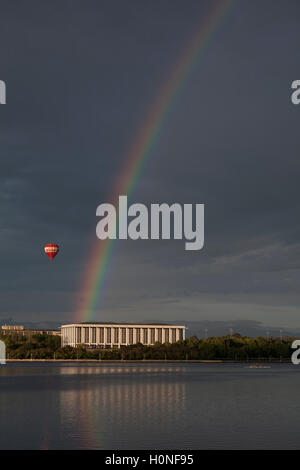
51	250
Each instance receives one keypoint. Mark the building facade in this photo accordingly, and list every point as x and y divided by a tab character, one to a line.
20	330
12	328
110	335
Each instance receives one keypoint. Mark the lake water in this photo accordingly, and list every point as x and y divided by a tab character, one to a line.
149	406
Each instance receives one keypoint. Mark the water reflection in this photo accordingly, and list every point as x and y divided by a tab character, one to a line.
100	370
158	406
118	399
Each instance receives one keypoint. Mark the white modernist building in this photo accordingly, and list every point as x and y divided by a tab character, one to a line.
109	335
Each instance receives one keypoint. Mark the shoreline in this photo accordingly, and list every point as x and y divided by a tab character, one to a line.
163	361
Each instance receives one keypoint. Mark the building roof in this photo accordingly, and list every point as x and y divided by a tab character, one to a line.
122	323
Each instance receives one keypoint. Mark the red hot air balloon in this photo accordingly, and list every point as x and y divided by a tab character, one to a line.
51	250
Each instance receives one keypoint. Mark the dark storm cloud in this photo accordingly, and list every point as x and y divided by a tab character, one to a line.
80	80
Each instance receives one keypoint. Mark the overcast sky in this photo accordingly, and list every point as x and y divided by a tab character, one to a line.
81	77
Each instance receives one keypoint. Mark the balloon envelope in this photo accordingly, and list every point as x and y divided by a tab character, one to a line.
51	250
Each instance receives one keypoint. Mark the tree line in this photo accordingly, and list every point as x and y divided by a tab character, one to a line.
233	347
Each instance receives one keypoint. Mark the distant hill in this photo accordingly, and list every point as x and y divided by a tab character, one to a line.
42	325
244	327
199	328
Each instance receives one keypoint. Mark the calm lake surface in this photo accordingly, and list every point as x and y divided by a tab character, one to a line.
149	406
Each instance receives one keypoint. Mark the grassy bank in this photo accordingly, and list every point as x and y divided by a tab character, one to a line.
150	361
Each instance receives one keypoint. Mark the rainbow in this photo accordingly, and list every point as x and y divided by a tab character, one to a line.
143	144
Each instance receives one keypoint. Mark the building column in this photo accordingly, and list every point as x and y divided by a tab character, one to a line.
177	334
163	336
170	335
148	336
134	335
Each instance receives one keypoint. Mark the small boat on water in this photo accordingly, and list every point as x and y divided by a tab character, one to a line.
258	366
